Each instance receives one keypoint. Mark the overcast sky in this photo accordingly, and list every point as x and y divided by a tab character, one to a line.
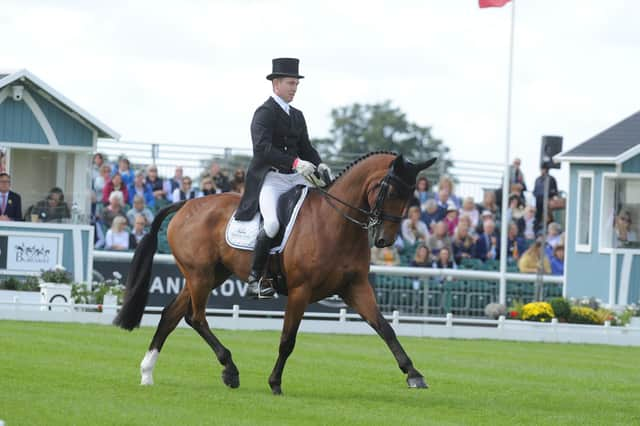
193	72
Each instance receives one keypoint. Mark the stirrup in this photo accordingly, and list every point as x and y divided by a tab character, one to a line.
266	290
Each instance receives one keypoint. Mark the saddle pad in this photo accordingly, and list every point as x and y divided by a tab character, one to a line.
242	234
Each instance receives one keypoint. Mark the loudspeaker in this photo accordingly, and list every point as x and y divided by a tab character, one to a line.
551	145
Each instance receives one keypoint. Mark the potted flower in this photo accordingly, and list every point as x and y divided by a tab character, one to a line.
108	292
55	286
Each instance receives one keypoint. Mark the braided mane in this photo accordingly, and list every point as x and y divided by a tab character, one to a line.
356	161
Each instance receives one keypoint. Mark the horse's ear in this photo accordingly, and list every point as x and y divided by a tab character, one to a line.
427	164
398	164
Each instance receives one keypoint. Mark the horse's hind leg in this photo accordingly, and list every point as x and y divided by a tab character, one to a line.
360	297
171	315
197	319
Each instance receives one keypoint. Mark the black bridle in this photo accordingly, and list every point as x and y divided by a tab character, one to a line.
376	216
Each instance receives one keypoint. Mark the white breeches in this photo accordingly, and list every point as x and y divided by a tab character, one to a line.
274	185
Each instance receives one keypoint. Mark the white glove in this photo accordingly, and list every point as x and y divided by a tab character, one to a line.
305	168
321	169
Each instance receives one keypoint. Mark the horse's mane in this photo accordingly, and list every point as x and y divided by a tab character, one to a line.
356	161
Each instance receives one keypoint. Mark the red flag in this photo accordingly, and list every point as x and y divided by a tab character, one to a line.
492	3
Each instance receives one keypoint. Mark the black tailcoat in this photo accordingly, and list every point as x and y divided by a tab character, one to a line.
278	138
14	206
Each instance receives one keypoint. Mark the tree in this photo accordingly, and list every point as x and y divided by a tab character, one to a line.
358	129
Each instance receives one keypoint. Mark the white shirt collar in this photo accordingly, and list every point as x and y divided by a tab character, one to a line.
281	102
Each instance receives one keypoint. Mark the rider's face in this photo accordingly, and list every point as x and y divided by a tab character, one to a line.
285	87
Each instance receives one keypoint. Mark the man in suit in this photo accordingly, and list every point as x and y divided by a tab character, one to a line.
10	202
488	244
282	158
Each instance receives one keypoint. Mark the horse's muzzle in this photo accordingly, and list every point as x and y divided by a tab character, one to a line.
381	242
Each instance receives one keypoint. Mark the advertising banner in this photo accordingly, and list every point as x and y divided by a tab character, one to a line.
22	253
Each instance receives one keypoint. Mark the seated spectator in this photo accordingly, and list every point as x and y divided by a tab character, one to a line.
486	215
488	245
447	183
124	170
623	231
463	244
175	182
413	229
554	234
139	224
139	208
443	199
422	257
557	260
219	178
439	238
237	185
10	202
54	208
114	209
422	193
529	260
469	209
451	218
157	185
117	237
185	192
142	188
385	256
518	190
527	226
115	184
432	214
515	210
208	187
101	180
489	203
444	260
466	222
516	245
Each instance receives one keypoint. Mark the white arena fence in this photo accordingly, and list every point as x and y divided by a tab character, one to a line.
342	323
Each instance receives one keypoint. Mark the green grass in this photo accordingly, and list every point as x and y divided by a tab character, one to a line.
88	374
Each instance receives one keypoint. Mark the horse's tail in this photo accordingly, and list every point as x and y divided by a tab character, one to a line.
139	277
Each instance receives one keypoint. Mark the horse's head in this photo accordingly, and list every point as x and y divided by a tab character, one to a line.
389	198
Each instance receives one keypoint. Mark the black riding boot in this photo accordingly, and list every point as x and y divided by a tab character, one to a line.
260	256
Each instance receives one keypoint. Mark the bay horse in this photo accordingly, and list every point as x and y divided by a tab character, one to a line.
327	253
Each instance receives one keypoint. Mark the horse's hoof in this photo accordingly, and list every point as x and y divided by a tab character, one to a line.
231	380
146	380
417	382
276	390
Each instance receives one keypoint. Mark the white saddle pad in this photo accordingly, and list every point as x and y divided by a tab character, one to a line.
242	234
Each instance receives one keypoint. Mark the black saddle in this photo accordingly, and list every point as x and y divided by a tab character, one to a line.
284	210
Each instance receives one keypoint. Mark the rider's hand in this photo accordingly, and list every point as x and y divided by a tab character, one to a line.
322	168
305	168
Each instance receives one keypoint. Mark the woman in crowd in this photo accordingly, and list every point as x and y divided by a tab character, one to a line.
54	208
114	209
422	257
444	260
557	260
527	224
98	162
124	170
439	239
141	188
469	209
101	180
529	260
422	193
451	218
413	229
463	244
115	184
447	183
208	187
185	192
117	237
237	184
139	224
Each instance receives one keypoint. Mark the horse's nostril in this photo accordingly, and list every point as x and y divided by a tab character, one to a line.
380	242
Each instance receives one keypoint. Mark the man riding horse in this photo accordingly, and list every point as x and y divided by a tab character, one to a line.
282	158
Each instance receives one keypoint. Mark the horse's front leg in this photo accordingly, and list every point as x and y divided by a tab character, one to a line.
360	297
297	302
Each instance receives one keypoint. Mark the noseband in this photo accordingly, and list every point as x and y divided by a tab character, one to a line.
376	216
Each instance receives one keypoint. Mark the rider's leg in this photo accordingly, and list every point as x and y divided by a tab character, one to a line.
269	194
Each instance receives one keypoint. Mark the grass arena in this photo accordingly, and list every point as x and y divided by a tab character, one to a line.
88	374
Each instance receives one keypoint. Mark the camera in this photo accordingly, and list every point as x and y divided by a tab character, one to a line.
16	92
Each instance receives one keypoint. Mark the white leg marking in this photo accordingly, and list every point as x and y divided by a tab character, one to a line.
146	367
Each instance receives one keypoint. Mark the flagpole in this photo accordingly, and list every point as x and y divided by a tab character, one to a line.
504	226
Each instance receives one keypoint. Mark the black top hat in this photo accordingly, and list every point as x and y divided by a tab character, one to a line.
284	67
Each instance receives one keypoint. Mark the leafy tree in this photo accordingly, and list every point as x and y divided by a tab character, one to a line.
361	128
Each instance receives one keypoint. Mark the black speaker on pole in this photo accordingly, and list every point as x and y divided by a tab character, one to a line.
551	145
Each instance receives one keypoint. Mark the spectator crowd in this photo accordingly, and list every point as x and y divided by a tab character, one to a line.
443	229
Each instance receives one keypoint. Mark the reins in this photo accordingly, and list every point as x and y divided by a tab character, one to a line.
376	215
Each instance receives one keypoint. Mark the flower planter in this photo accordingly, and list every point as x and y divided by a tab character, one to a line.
634	322
109	303
55	293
